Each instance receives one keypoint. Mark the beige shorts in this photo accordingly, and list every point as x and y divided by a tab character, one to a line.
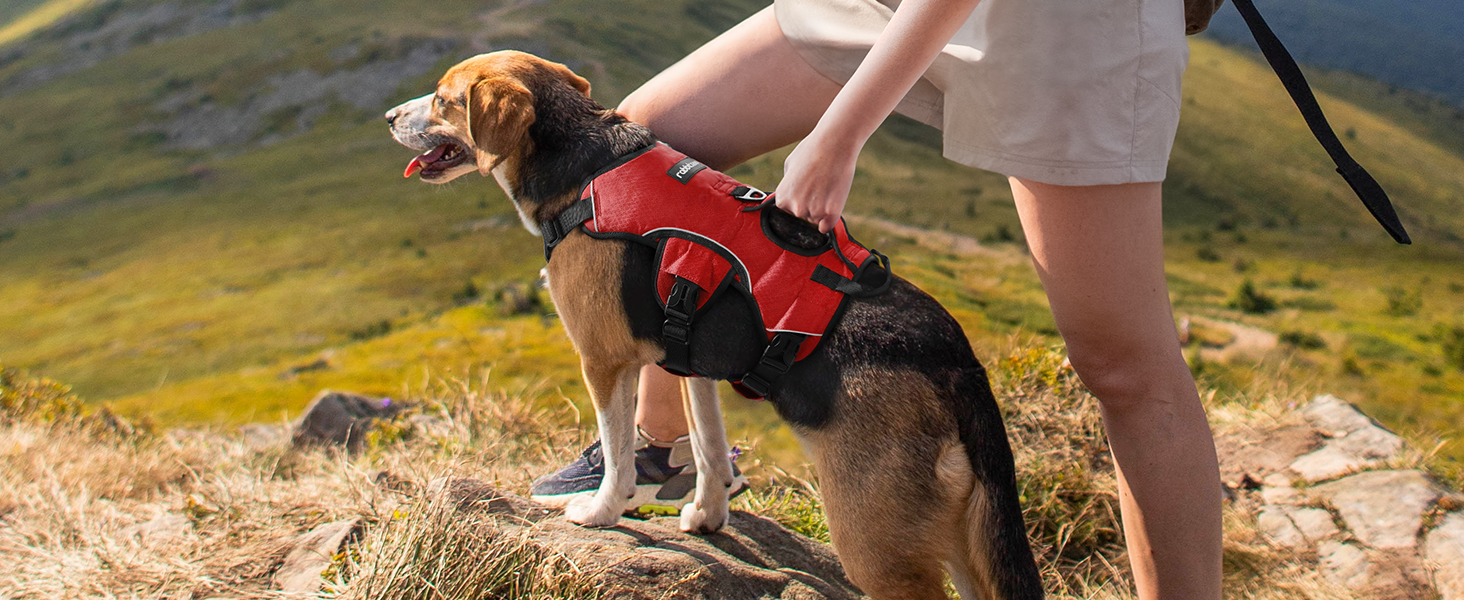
1066	92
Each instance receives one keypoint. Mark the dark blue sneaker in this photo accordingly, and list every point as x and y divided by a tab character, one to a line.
665	479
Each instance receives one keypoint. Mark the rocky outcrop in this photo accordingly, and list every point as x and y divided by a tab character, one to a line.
341	419
1323	485
752	557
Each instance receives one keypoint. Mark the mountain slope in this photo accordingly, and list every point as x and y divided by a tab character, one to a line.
1413	44
197	197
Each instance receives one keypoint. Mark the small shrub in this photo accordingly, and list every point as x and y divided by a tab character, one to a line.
1207	254
1242	265
1001	234
1453	343
1351	367
373	330
1301	282
23	398
469	293
1403	302
1305	340
1252	301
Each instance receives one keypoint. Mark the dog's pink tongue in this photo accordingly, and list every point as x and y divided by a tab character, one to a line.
424	160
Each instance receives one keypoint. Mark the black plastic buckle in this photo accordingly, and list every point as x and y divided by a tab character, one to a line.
676	332
776	361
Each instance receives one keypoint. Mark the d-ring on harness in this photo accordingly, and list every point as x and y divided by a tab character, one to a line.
712	233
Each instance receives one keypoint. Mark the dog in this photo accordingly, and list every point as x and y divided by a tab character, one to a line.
896	412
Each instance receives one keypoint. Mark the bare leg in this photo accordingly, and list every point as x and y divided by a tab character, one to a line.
741	95
1099	251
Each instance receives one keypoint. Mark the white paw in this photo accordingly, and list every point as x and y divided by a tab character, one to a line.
696	519
591	512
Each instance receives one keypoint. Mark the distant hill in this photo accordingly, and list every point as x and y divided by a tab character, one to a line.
1416	44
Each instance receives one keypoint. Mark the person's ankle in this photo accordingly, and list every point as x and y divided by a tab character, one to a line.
659	441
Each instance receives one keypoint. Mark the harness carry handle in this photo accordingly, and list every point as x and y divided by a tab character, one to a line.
1362	183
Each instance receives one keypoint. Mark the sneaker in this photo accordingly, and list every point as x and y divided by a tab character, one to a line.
665	479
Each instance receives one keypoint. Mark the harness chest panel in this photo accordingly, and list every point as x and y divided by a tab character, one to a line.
712	233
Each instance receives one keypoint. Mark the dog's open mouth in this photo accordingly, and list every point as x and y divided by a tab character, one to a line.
437	161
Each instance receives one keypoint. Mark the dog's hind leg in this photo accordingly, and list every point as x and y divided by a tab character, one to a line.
708	511
887	515
613	392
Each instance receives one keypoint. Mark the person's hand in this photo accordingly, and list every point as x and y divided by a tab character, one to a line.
816	180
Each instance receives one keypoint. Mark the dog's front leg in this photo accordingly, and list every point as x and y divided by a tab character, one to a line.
613	392
708	512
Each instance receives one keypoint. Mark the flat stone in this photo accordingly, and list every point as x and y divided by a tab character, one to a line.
161	529
1334	416
1345	564
1328	463
1384	509
1444	550
310	555
1282	495
1279	479
1315	523
1261	452
1275	523
1370	442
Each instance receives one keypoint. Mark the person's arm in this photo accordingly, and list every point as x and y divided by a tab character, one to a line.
817	175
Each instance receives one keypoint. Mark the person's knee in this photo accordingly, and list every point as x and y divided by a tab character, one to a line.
1127	375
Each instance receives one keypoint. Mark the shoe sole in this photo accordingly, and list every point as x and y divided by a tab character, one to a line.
645	501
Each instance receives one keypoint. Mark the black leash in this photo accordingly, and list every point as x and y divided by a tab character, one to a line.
1363	184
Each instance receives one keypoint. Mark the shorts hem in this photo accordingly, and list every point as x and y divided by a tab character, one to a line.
1057	173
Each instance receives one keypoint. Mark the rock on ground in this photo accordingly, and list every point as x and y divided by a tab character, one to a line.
1357	442
1444	550
752	557
341	419
1384	509
310	555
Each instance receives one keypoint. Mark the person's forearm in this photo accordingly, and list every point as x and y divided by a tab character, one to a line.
915	35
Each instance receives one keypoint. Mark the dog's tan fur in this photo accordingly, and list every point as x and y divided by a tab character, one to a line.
891	437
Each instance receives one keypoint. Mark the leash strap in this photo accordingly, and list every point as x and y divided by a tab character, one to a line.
1363	184
558	228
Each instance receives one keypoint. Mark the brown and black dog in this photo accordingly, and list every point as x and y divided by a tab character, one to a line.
894	408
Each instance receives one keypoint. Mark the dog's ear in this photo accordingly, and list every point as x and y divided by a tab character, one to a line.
578	82
500	111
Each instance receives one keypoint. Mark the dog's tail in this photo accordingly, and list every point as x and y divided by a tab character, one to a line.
994	560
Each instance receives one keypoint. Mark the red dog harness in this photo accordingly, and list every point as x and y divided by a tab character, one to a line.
710	232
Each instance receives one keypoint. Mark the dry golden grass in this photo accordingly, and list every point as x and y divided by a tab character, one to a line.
74	489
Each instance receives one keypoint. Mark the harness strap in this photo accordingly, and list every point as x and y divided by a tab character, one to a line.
676	333
558	228
839	283
776	361
1363	184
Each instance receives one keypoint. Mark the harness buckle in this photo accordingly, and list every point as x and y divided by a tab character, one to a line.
747	193
775	362
676	331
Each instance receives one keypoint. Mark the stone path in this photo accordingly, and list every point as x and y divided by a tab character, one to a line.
1324	484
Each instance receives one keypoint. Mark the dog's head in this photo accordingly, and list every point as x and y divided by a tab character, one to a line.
478	118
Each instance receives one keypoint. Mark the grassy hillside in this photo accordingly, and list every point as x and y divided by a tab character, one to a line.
199	204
